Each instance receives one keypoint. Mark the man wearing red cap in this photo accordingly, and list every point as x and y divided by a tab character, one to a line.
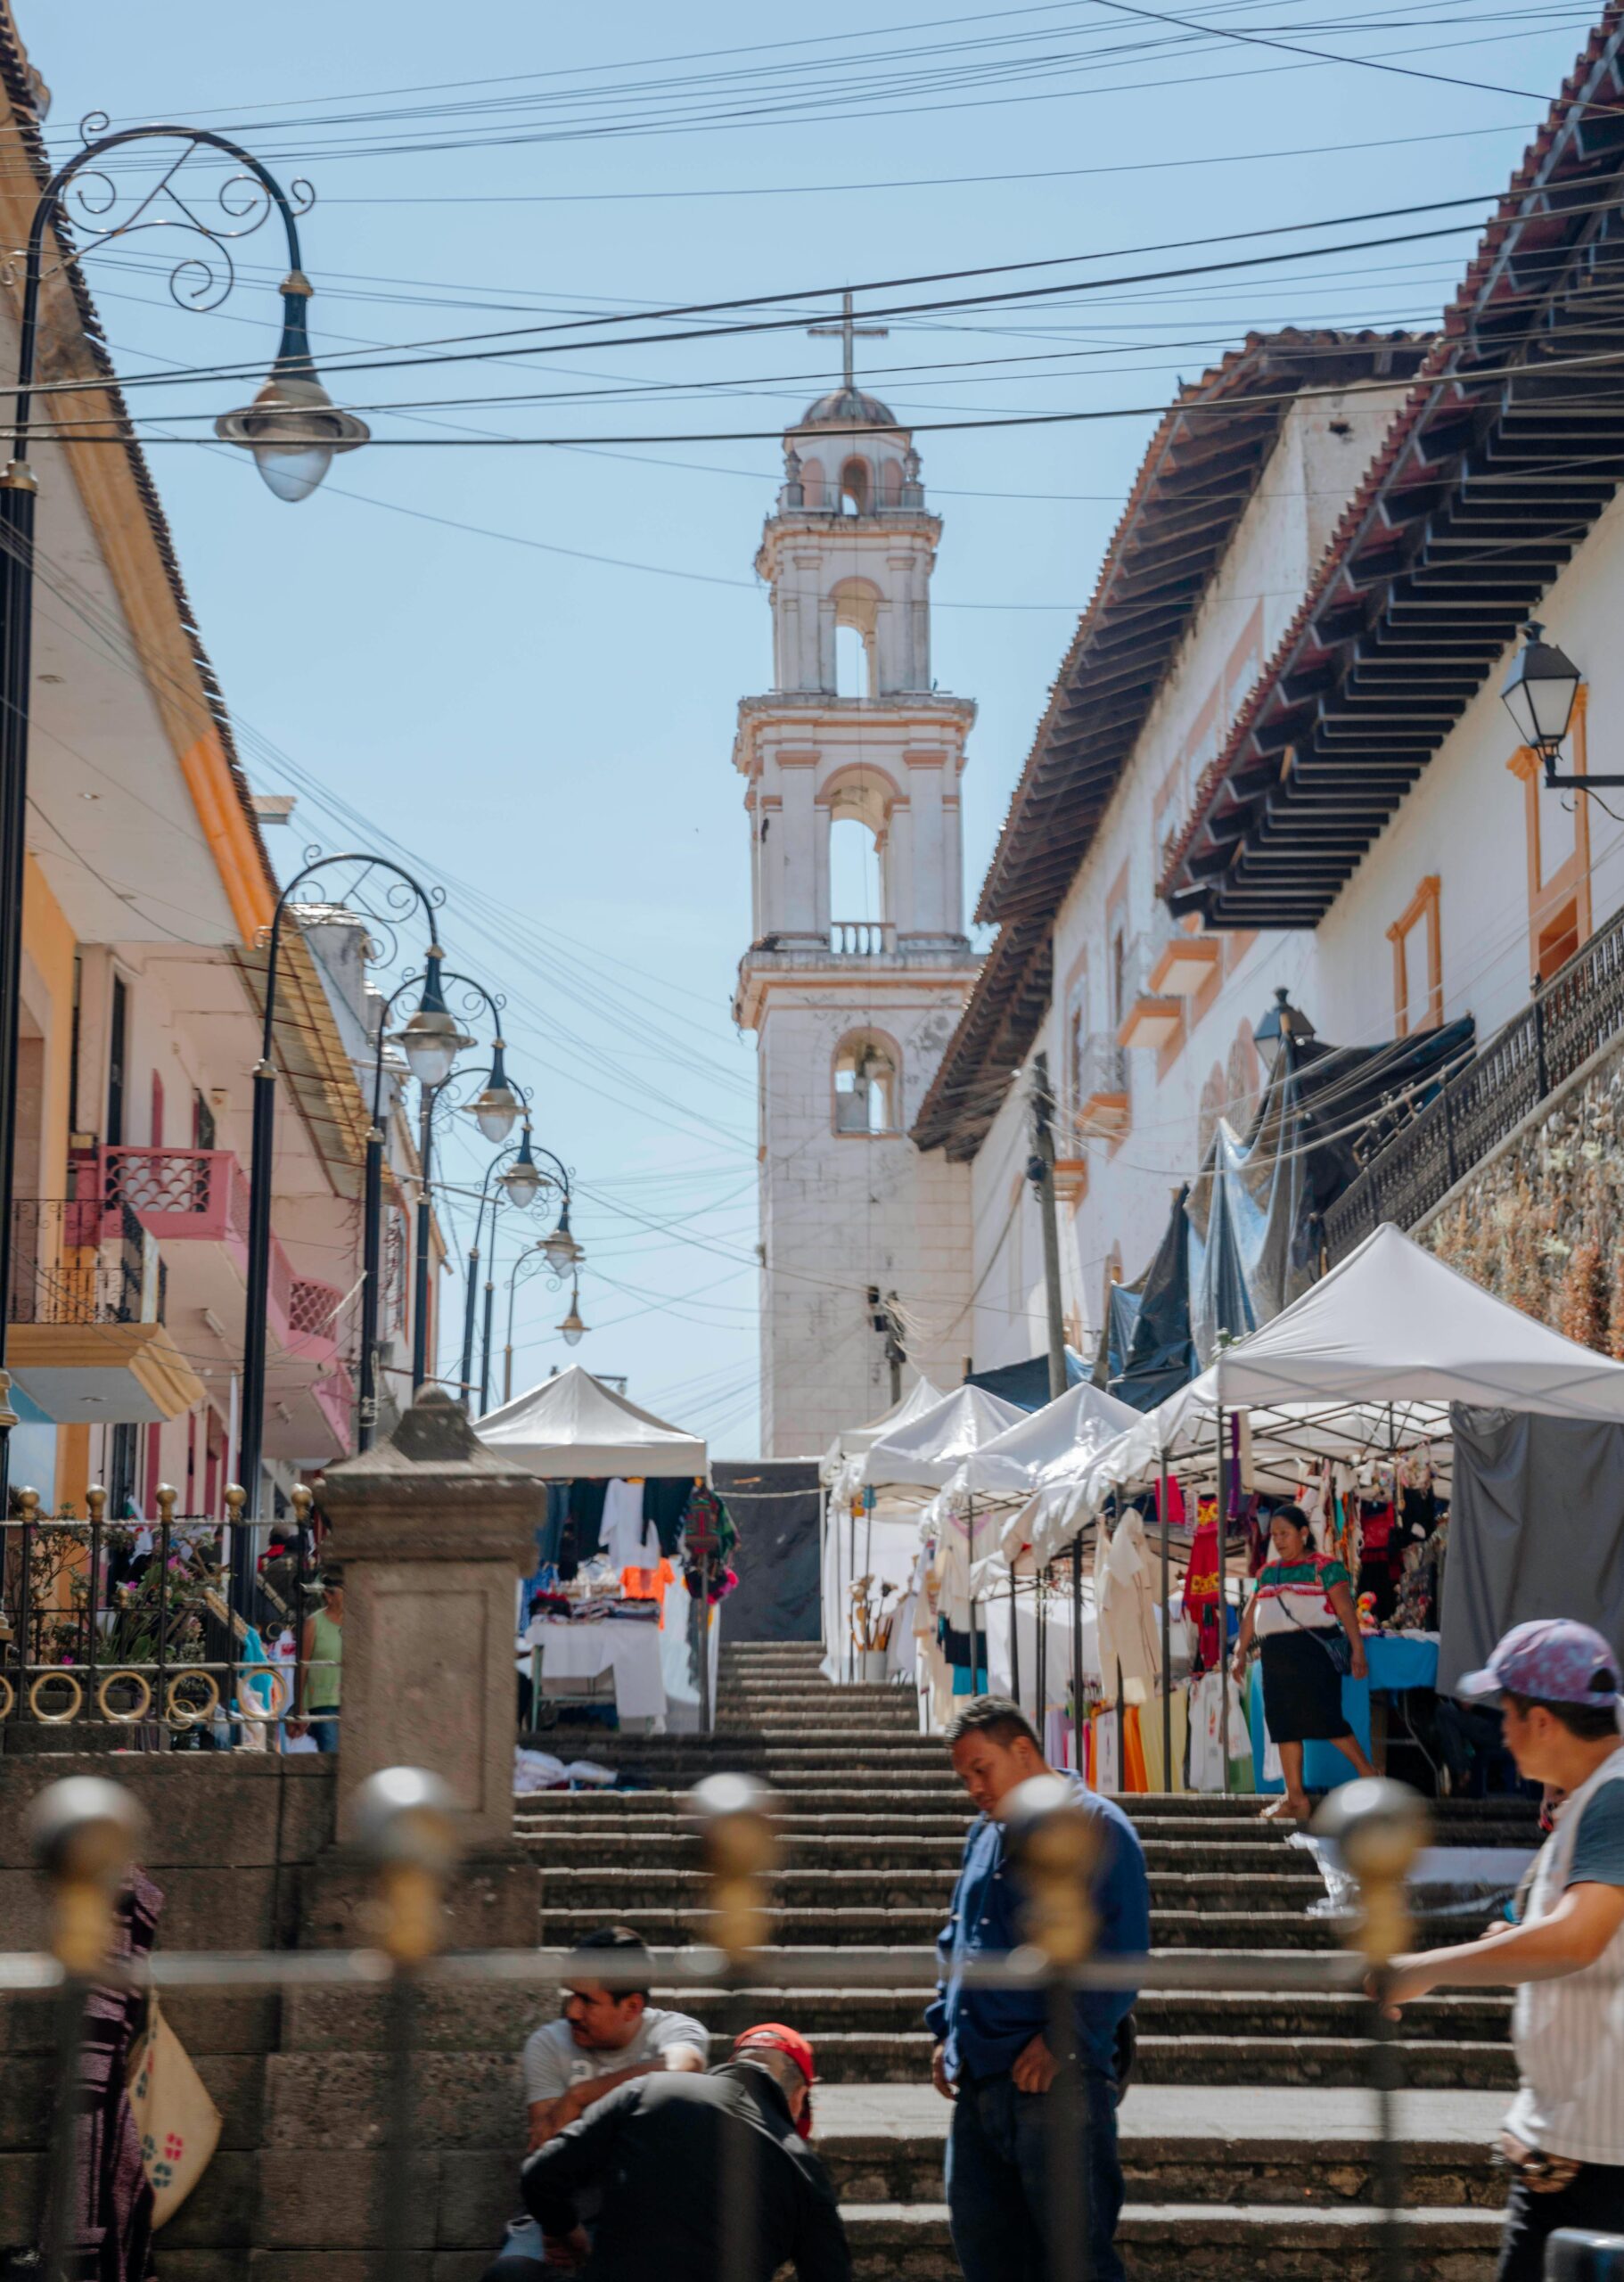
690	2158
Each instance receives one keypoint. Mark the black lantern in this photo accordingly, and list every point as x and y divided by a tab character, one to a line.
1283	1025
1540	694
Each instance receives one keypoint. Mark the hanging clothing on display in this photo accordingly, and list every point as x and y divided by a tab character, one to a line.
1129	1637
587	1515
630	1541
1201	1590
1150	1731
1212	1767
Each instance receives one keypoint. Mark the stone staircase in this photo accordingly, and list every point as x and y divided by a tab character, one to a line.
1280	2180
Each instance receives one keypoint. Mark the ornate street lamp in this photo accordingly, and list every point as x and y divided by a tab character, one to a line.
430	1039
523	1178
293	427
1540	693
1284	1026
572	1329
305	431
407	895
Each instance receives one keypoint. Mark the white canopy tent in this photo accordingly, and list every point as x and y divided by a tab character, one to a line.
1368	1359
921	1454
853	1442
1044	1447
574	1425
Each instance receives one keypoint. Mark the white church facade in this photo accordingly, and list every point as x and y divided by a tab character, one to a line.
865	1241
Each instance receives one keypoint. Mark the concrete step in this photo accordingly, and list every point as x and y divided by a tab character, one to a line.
1200	2243
606	1845
670	1927
1436	2064
640	1886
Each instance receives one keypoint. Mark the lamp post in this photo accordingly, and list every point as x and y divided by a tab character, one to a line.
521	1183
297	423
260	1173
495	1110
543	1252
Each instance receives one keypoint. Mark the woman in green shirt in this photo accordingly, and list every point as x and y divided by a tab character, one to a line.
321	1654
1299	1616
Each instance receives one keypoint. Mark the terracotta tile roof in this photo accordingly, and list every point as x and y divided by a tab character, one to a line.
1492	320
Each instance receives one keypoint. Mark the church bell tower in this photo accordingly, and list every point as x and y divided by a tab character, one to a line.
865	1241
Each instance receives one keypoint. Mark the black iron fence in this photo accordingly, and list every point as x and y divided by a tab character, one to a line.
79	1261
124	1622
1570	1018
86	1833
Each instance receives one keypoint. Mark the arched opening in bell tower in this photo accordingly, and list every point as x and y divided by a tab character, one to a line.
857	488
856	627
866	1091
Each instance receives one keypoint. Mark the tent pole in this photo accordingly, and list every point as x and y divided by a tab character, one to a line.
1076	1652
851	1579
1014	1645
1039	1605
1223	1607
1167	1782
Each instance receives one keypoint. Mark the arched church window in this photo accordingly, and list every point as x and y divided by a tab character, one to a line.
867	1089
855	489
856	873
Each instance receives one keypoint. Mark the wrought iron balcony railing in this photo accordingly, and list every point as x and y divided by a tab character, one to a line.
77	1261
1577	1012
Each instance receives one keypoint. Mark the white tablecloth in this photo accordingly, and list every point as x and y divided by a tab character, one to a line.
582	1651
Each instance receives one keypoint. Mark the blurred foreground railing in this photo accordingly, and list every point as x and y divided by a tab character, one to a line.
86	1833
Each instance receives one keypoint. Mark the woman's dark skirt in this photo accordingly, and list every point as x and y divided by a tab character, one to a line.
1302	1689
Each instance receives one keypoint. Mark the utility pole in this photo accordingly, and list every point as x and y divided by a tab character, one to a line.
886	1321
1040	1172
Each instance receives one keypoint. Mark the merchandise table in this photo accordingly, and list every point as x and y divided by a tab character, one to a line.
1398	1661
582	1651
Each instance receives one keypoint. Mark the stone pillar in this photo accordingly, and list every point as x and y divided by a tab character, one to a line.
432	1533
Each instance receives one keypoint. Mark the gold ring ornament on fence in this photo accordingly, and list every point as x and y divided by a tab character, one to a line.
191	1715
8	1696
247	1693
140	1711
55	1718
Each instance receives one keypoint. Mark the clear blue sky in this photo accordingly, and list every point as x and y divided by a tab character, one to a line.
554	728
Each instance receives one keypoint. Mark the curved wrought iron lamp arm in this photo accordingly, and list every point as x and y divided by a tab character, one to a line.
429	900
295	292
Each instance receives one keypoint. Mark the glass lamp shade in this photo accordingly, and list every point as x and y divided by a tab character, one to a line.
1539	692
522	1182
560	1250
1283	1023
431	1043
293	429
495	1112
572	1329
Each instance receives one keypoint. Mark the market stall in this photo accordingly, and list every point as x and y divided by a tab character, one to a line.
858	1541
912	1465
623	1485
1355	1385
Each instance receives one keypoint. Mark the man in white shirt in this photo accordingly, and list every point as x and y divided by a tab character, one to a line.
608	2036
1557	1685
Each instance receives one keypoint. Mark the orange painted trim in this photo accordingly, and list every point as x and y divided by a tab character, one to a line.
230	836
1569	883
1423	905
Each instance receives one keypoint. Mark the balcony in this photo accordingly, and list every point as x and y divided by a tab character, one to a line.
1101	1087
85	1313
862	939
1185	963
1577	1012
1150	1016
194	1202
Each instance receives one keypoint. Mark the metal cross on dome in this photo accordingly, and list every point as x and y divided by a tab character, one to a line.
847	332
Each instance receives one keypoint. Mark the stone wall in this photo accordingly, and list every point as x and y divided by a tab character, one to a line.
240	1845
1541	1224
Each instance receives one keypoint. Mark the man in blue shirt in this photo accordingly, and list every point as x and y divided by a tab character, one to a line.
992	2058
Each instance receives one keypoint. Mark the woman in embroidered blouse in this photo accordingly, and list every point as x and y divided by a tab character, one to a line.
1303	1607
